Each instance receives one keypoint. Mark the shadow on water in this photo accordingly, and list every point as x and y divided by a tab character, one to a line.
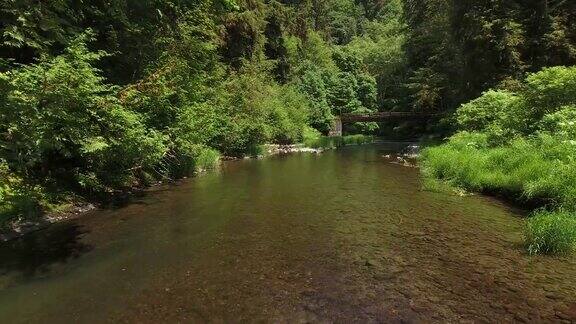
145	197
33	254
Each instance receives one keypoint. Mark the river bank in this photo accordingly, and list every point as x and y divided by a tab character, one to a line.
520	143
76	206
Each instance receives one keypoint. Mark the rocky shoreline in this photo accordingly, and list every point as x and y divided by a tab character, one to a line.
21	227
275	149
407	157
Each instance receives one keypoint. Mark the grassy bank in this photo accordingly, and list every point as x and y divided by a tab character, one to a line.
520	145
537	170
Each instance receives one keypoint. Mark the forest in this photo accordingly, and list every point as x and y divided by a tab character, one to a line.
102	97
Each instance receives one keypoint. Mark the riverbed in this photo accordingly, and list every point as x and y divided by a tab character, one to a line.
342	236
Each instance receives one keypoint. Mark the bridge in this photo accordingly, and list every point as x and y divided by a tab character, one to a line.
377	117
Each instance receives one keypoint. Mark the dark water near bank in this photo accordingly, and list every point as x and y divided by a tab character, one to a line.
343	236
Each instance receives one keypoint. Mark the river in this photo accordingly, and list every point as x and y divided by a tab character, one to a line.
343	236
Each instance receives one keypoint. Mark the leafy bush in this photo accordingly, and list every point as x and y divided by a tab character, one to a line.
357	139
313	86
16	198
207	159
561	123
200	123
188	159
289	115
493	113
256	112
548	90
79	124
310	135
551	232
503	115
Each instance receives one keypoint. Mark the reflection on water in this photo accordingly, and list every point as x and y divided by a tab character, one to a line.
342	236
34	254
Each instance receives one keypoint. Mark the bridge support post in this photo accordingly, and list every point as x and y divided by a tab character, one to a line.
336	129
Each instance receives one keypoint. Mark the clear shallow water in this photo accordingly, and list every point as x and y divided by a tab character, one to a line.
342	236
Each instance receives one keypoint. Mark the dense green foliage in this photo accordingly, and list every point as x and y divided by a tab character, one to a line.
521	144
458	49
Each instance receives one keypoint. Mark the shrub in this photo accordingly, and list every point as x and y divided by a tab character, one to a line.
494	114
546	101
201	123
310	134
181	161
313	86
83	137
288	115
251	111
491	107
206	159
551	232
122	161
548	90
357	139
561	123
17	199
323	142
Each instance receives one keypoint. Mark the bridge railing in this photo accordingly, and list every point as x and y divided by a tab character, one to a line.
385	115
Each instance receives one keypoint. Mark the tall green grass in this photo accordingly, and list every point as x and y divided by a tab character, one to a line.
527	170
551	232
541	170
207	159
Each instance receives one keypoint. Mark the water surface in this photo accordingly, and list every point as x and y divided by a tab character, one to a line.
342	236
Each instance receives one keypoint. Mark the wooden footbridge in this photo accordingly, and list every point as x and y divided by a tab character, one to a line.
377	117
